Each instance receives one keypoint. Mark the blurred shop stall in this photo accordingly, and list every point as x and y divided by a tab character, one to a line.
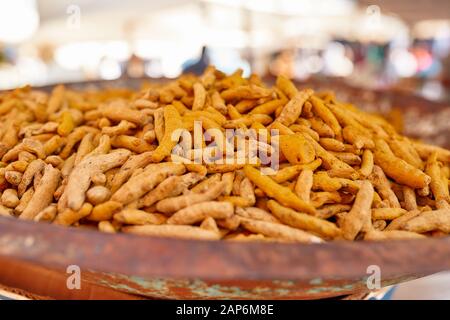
378	44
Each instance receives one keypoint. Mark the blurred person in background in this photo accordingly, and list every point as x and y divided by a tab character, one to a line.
199	65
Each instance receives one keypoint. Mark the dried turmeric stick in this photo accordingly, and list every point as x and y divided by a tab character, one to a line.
67	124
282	194
140	184
138	217
27	144
303	221
322	111
256	214
375	235
80	177
245	92
199	96
34	167
355	220
292	110
429	221
173	204
104	211
123	127
291	172
399	170
402	149
173	231
56	99
304	184
297	149
286	86
199	211
329	160
133	162
172	122
43	195
279	231
357	137
387	213
69	216
381	183
170	187
331	144
46	215
209	224
117	111
439	184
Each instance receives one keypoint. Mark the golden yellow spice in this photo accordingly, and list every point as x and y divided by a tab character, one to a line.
114	160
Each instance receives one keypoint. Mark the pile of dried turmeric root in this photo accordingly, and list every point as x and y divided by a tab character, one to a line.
103	159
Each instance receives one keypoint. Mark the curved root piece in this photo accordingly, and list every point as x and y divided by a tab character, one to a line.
209	224
117	111
279	231
174	204
297	149
47	215
303	221
375	235
429	221
292	110
139	217
69	216
200	211
387	213
134	162
401	171
383	187
80	177
98	194
43	194
282	194
104	211
439	183
142	183
171	187
360	215
256	214
173	231
34	167
30	145
172	122
123	127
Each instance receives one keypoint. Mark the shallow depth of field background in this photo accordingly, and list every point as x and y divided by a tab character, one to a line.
373	44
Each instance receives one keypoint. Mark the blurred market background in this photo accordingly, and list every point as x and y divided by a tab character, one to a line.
374	44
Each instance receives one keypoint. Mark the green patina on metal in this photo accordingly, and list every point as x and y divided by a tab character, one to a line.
197	288
316	281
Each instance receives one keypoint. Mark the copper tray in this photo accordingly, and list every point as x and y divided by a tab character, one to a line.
176	269
188	269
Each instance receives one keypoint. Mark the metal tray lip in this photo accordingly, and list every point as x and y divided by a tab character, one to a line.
155	257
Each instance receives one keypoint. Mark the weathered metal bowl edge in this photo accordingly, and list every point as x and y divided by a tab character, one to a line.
173	268
156	257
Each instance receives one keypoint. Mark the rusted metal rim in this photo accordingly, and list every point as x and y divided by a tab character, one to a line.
56	246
